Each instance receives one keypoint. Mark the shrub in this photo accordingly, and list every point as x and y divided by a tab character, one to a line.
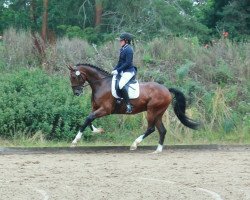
67	51
222	74
90	34
31	101
18	49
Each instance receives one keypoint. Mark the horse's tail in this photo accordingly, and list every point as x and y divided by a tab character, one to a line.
179	104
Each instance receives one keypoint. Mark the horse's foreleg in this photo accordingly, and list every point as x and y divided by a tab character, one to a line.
87	122
141	137
77	138
96	114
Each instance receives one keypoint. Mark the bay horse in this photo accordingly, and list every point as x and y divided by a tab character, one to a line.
154	99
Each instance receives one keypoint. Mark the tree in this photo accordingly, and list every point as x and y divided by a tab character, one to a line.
98	12
145	18
152	18
33	18
45	20
14	13
235	19
209	12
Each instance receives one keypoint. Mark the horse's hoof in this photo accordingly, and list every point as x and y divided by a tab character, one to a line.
132	148
98	130
73	145
156	152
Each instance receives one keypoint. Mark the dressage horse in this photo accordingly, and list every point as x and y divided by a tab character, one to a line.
154	99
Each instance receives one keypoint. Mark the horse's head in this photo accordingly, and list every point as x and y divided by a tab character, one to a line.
77	79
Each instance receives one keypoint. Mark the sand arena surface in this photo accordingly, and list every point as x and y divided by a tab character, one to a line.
173	175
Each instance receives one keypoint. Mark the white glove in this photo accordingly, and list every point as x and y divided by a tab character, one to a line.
114	72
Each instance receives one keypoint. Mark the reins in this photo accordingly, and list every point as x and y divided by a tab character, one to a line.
81	75
94	81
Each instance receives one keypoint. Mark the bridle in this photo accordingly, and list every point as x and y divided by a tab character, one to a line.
82	76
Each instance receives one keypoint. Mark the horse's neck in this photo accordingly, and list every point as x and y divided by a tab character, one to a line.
91	74
97	79
94	78
101	86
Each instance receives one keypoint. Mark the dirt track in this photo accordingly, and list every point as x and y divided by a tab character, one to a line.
173	175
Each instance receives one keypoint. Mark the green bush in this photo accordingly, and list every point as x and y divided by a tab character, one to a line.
32	101
215	81
90	34
222	74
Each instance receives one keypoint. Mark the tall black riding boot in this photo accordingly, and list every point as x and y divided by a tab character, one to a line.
124	92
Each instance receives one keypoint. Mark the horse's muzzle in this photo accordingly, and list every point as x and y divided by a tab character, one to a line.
77	90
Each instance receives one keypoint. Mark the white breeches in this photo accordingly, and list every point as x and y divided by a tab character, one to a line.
125	77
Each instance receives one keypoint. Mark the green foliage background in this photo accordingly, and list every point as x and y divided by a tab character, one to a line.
35	97
32	101
146	19
36	100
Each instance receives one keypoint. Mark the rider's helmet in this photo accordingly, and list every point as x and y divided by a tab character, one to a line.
127	37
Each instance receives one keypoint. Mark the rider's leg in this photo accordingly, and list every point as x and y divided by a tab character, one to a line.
125	77
125	96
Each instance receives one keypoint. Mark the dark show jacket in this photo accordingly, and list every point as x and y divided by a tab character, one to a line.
125	63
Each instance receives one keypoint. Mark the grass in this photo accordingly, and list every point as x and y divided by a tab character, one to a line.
126	139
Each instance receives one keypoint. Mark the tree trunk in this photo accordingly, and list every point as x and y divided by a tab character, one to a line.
98	13
33	18
45	21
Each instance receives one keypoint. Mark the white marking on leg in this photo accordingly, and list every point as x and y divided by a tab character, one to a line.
96	130
159	148
215	195
139	139
136	142
77	138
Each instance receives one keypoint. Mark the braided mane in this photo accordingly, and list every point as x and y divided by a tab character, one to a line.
95	67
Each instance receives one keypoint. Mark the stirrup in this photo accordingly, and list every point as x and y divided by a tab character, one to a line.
129	108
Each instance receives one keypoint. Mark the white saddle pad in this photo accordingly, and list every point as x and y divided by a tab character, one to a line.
133	91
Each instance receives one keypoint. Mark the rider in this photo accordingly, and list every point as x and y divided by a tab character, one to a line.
125	67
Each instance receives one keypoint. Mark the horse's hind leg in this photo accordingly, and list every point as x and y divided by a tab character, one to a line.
150	129
141	137
162	131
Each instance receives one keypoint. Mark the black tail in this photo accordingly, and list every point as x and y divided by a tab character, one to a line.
179	105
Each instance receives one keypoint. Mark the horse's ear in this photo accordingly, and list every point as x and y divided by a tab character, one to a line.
70	67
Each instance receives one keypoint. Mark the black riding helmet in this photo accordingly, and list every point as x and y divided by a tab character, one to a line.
127	37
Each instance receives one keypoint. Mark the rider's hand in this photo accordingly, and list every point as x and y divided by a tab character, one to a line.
114	72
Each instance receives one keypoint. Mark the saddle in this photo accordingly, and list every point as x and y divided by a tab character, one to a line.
132	87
